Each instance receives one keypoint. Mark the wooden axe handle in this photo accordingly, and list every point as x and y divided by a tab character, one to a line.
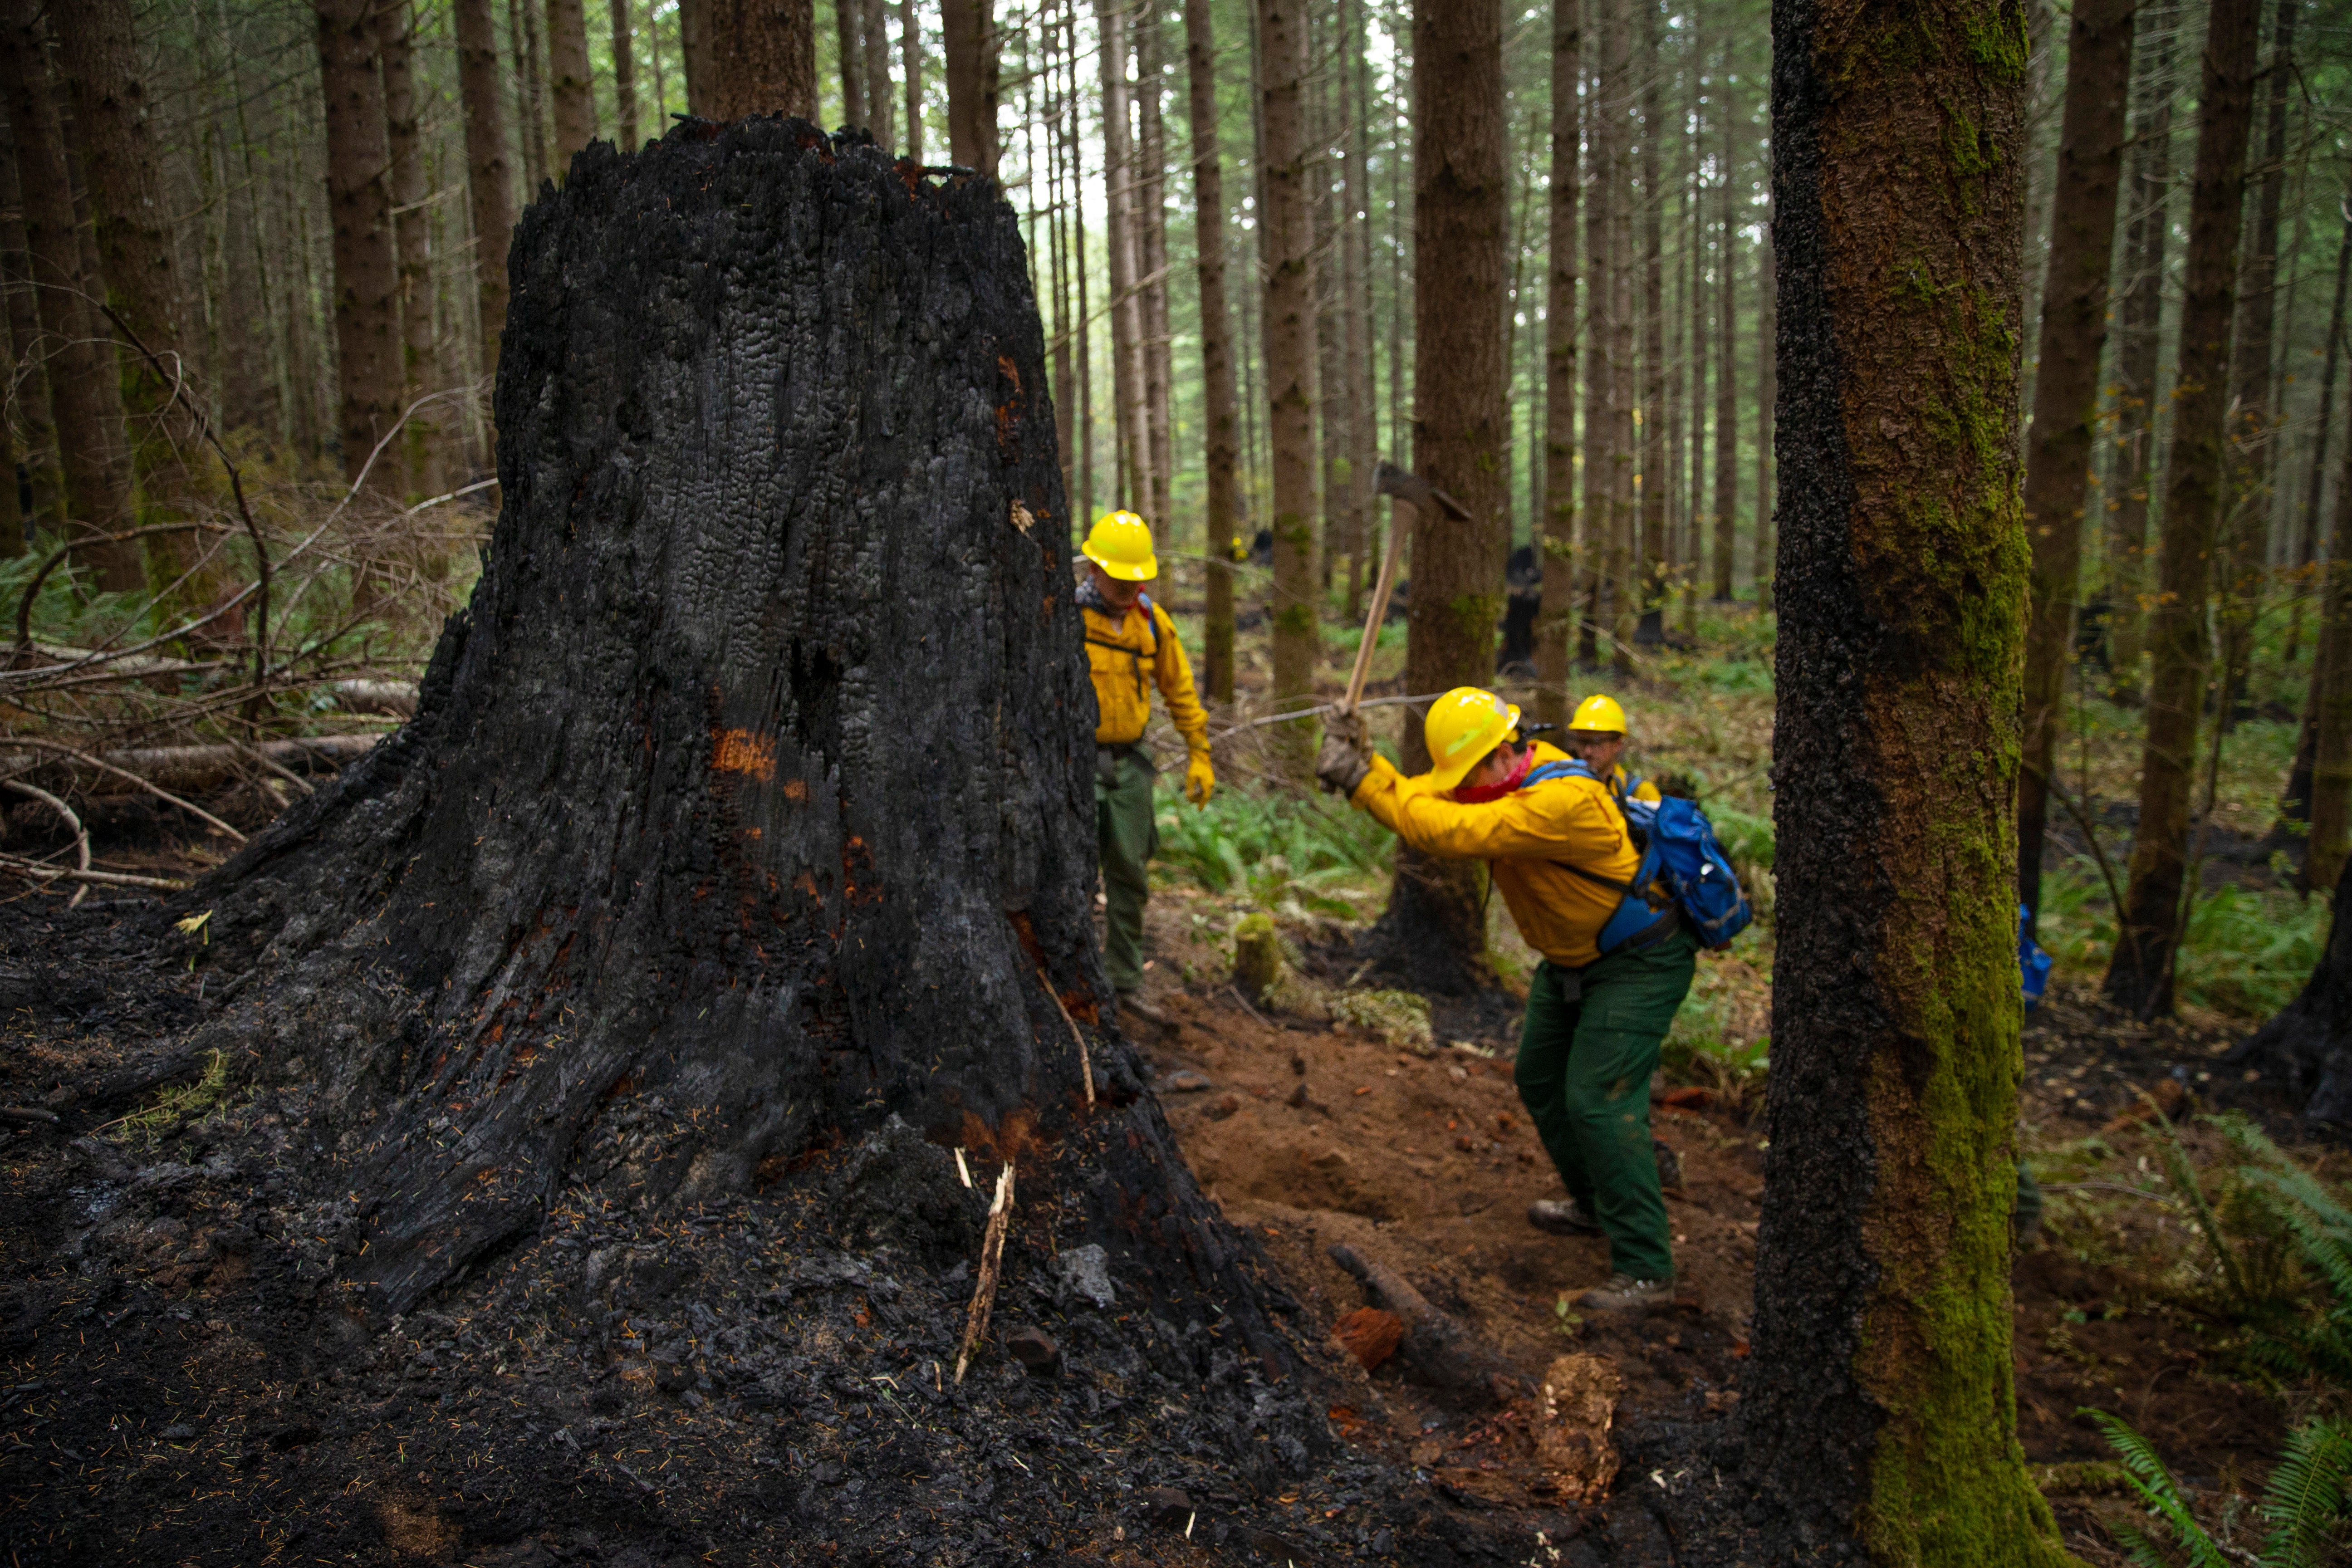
1379	611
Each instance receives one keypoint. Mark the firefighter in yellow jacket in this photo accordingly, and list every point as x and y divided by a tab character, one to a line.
1563	859
1596	733
1131	647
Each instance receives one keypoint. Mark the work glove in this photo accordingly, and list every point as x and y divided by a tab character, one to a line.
1200	779
1346	757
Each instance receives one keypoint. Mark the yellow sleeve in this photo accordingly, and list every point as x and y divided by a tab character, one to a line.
1174	673
1569	823
1647	791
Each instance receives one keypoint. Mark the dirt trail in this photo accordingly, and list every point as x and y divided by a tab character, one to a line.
1311	1135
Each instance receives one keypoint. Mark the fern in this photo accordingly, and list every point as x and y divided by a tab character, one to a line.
2183	1176
2158	1492
2304	1503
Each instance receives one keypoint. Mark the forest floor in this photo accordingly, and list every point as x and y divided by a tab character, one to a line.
1311	1134
753	1384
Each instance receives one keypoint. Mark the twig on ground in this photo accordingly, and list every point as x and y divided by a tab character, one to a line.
991	1253
73	824
1236	994
29	1113
2109	1187
21	867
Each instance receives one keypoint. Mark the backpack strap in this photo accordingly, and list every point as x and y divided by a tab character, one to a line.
1571	768
1574	869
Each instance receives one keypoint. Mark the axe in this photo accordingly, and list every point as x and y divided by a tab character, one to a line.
1412	492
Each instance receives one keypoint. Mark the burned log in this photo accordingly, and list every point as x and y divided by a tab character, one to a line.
752	792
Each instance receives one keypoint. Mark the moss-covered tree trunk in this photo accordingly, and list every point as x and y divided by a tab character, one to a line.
1880	1406
1220	410
2066	393
1286	248
1434	928
2139	976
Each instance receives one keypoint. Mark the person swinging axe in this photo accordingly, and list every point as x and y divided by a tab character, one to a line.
1617	960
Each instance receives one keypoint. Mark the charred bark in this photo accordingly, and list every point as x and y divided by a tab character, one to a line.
750	799
2307	1048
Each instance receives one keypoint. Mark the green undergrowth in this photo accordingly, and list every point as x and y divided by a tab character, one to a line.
185	1103
1273	849
2247	953
2301	1521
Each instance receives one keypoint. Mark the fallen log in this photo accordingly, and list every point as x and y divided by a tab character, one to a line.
1436	1350
189	767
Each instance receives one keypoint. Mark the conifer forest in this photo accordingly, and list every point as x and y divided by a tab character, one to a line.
975	781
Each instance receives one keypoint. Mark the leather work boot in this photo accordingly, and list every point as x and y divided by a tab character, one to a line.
1562	1216
1623	1292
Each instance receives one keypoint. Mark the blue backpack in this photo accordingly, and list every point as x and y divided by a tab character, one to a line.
1680	854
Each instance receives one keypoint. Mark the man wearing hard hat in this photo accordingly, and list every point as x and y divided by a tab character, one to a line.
1131	647
1596	733
1563	859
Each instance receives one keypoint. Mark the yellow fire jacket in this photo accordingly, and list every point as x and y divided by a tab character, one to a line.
1523	835
1128	657
1645	790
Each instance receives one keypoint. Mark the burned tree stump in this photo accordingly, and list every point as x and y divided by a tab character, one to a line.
754	783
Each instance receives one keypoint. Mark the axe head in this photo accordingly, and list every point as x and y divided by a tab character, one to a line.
1415	492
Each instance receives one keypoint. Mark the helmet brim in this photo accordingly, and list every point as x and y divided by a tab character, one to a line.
1124	571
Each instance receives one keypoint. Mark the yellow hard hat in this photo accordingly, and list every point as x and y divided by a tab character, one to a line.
1598	715
1463	726
1121	543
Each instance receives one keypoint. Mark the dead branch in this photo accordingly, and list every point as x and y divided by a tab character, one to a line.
187	767
16	865
73	824
1440	1350
991	1253
132	777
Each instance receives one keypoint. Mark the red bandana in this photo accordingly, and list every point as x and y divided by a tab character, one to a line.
1478	794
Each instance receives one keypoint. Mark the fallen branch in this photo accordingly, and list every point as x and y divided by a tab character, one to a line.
136	779
29	1113
1440	1350
19	865
991	1253
73	825
192	767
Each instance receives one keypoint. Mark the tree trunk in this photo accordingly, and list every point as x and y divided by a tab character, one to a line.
1327	392
664	935
624	79
1219	417
1656	564
1691	457
1118	239
2066	393
881	110
367	277
411	236
12	515
1151	240
2307	1048
910	59
2138	340
1555	543
1286	242
1767	382
86	395
1626	316
763	58
695	43
1434	928
2139	976
522	34
1879	1404
36	426
2330	770
852	60
138	260
489	179
970	31
2315	490
2252	449
1726	379
1356	254
1594	560
568	76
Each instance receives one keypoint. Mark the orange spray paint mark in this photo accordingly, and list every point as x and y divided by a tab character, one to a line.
742	752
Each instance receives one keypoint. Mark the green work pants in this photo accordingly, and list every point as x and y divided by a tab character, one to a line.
1125	836
1584	1073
